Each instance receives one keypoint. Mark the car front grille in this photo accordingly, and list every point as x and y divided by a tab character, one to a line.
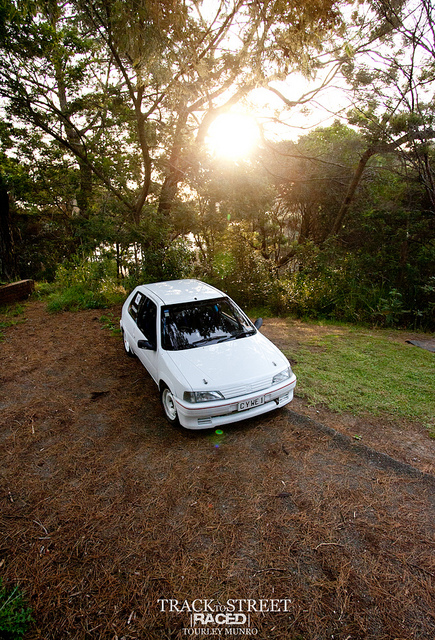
245	389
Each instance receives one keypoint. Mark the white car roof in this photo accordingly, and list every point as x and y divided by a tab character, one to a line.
175	291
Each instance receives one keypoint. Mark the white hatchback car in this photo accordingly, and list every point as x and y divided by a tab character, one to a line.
209	361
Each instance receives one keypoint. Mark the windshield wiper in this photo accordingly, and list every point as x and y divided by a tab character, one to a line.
236	336
231	336
202	341
226	338
212	340
243	333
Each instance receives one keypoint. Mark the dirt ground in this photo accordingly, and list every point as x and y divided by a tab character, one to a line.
109	515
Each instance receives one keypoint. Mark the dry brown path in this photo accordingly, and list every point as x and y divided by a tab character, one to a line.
105	508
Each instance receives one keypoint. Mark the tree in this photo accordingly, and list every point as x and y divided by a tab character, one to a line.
309	177
393	93
129	89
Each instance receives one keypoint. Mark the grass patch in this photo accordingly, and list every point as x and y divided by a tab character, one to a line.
15	615
359	371
111	323
43	290
10	315
81	296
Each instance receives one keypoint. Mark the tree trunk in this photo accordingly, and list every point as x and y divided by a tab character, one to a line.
169	192
351	190
8	264
176	168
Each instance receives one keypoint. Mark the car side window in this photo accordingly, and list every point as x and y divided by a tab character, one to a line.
147	320
133	308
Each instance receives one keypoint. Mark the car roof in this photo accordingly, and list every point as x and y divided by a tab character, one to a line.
179	291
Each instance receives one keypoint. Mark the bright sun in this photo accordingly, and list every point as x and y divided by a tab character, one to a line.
232	136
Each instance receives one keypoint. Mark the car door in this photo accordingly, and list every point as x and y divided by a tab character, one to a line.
146	330
130	319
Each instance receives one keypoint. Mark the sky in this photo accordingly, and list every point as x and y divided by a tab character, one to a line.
233	136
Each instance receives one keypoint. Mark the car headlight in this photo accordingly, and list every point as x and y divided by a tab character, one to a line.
202	396
280	377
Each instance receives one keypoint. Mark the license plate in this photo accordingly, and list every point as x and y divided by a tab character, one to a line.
250	404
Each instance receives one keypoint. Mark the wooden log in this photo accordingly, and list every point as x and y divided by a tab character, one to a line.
16	291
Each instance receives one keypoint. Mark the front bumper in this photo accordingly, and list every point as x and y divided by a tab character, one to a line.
206	415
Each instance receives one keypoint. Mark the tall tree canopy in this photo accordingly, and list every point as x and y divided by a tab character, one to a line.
129	88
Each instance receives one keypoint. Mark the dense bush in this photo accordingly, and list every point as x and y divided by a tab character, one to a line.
338	286
94	281
157	264
329	283
239	270
85	283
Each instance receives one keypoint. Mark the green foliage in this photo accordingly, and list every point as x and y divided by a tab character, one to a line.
102	157
240	270
15	615
341	295
111	323
77	297
378	269
86	284
118	89
95	281
349	369
158	263
43	290
332	282
41	197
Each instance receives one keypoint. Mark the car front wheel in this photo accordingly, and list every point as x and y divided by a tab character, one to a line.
169	406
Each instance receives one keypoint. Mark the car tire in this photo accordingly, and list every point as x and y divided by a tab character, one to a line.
127	347
169	407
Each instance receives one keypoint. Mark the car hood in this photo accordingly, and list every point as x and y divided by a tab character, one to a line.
231	363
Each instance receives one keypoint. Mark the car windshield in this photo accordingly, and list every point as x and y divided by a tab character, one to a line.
195	324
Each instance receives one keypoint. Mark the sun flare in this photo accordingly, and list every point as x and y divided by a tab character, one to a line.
233	136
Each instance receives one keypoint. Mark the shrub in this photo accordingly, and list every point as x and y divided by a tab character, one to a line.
335	284
157	264
86	283
241	271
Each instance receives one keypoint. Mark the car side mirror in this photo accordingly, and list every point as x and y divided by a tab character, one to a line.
258	323
145	344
